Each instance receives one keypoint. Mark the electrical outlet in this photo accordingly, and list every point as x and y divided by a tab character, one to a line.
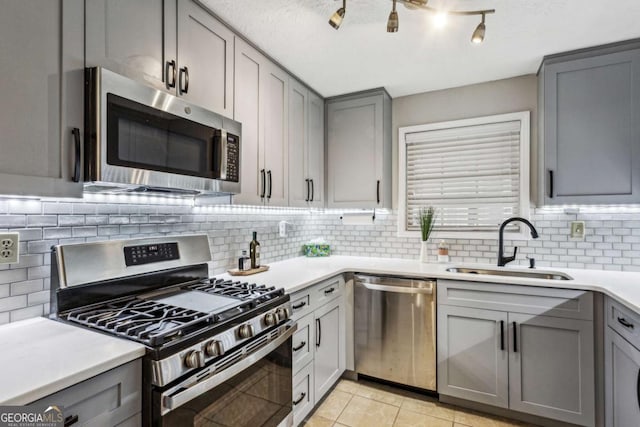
577	230
9	248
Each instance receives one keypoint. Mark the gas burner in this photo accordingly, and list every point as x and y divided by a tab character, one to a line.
257	294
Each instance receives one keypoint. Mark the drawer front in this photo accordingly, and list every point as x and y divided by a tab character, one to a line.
624	321
108	399
572	304
302	343
301	304
327	291
302	394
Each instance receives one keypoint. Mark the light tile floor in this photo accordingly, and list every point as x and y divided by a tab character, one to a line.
366	404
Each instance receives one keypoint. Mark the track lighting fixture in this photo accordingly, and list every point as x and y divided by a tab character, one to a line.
336	18
392	22
478	34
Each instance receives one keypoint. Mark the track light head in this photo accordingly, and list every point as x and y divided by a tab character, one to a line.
336	18
478	35
392	22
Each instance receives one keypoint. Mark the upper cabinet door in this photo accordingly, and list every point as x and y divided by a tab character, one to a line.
41	71
205	59
248	110
355	134
128	37
276	114
299	180
591	129
315	149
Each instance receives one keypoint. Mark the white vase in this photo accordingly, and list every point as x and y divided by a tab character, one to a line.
424	251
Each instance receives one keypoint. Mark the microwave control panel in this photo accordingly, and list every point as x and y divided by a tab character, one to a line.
146	254
233	158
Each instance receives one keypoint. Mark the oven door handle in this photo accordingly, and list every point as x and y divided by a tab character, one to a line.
172	401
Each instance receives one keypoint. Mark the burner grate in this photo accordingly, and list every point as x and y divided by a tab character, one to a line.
257	294
149	322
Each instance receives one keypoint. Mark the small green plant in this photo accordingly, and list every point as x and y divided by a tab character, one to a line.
427	222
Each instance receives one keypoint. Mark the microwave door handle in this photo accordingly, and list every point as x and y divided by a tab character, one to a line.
223	154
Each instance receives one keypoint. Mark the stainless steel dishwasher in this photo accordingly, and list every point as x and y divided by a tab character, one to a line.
395	329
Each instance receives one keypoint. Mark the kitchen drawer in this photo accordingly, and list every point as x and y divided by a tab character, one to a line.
302	343
572	304
301	304
326	291
134	421
302	394
624	321
108	399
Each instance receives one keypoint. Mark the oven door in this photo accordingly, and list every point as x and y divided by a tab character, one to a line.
249	387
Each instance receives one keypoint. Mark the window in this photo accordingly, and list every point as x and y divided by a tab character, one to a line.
475	172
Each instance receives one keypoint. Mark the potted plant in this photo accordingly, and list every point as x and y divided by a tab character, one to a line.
427	222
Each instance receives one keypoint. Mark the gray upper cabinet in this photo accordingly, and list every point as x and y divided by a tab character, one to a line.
181	47
42	71
590	127
306	146
359	150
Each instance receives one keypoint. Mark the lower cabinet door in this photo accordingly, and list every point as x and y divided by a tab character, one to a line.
472	355
329	351
551	368
622	381
303	343
303	398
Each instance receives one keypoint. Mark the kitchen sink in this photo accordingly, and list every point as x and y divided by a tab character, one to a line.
529	274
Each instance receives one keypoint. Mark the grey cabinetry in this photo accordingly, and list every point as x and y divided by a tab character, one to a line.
359	150
328	358
181	47
261	104
42	92
590	127
306	146
527	349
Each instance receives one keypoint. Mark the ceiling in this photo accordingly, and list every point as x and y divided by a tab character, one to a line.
419	57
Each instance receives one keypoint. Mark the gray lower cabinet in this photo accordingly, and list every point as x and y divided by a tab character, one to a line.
329	351
590	110
622	381
112	398
42	92
538	361
359	150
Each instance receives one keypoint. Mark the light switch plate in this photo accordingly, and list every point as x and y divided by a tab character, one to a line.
9	248
577	230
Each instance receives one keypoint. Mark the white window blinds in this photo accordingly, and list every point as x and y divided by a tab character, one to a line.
470	174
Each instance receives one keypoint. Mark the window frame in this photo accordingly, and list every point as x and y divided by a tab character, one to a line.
524	189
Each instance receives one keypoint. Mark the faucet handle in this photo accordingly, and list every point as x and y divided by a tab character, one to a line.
515	252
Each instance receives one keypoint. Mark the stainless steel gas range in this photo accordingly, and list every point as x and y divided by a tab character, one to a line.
218	351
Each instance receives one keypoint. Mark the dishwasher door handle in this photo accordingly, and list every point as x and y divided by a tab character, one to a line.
396	289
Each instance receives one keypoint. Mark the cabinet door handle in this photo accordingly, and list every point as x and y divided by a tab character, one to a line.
378	192
312	190
550	184
300	347
329	291
318	333
264	183
308	190
625	323
170	79
270	184
300	399
184	88
638	388
297	306
502	335
70	420
515	337
76	166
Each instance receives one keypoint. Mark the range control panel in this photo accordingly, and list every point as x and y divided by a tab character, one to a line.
146	254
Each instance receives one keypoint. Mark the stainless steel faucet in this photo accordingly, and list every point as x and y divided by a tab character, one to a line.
503	260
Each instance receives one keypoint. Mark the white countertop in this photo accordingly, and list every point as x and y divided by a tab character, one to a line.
41	356
297	273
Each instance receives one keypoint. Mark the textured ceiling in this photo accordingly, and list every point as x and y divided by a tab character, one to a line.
420	57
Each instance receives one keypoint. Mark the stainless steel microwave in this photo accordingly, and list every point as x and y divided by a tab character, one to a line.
143	139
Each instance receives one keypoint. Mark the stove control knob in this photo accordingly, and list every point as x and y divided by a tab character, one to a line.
245	331
194	359
282	313
271	319
213	348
